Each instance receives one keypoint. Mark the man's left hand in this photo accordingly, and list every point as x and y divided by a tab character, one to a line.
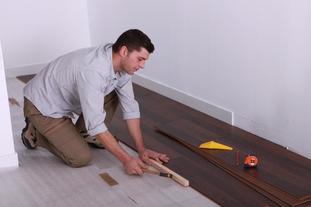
150	154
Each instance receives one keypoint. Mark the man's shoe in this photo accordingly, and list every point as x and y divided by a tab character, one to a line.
28	139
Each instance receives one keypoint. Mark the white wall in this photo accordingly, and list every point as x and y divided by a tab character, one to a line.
245	57
249	57
36	31
8	156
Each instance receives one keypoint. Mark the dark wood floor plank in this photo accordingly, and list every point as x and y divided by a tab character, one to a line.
212	182
25	78
268	190
270	168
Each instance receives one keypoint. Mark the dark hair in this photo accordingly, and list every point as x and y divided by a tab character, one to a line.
133	39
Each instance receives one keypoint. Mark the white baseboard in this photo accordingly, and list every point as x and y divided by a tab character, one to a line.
23	70
268	133
10	160
255	128
191	101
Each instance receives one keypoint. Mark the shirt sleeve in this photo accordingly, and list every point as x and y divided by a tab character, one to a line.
129	106
91	96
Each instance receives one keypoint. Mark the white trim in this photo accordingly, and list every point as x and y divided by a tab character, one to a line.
23	70
268	133
10	160
210	109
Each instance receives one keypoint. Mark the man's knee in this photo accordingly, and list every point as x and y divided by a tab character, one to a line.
80	160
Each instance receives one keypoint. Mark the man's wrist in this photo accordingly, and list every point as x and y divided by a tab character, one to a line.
126	158
141	150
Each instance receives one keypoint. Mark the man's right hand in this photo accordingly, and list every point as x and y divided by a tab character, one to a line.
134	166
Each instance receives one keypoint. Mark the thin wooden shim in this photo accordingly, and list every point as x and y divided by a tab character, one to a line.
108	179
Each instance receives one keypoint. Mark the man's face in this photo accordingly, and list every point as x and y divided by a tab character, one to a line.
135	60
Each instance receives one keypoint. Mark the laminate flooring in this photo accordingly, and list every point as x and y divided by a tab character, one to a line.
42	180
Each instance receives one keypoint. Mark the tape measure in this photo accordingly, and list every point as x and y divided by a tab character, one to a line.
250	161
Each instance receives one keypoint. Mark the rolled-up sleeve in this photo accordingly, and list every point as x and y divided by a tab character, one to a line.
129	106
90	90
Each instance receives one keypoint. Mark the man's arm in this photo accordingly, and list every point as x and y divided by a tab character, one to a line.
131	114
133	126
131	164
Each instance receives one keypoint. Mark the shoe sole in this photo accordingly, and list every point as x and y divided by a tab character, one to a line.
26	142
95	145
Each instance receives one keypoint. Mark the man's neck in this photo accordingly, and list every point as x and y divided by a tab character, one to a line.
116	59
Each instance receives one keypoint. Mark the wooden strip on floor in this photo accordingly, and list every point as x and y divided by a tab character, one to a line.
25	78
108	179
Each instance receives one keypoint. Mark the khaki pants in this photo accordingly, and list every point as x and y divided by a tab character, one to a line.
61	137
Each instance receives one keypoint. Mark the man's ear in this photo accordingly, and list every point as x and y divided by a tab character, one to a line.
123	51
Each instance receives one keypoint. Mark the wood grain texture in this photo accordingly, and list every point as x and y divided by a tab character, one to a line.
275	194
108	179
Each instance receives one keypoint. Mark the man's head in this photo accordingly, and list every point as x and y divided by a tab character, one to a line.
133	39
133	48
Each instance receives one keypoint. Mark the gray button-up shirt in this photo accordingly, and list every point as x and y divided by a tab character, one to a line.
77	83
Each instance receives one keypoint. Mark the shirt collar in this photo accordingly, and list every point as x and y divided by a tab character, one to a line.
108	50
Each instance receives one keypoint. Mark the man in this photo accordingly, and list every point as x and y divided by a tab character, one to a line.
88	82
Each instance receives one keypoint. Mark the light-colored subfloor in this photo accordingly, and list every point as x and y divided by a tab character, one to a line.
43	180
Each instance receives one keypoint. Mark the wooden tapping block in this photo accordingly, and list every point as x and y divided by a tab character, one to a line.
179	179
153	170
